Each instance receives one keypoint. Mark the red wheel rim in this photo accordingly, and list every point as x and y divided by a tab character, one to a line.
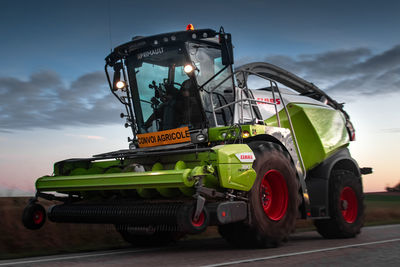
274	195
38	217
349	204
200	221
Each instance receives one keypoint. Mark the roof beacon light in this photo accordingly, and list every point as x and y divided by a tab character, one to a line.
188	68
190	27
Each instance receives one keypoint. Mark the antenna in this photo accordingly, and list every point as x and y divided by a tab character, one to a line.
109	24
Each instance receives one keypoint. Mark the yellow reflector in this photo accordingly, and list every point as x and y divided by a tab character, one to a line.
245	134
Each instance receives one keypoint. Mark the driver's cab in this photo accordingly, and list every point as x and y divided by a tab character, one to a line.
176	80
157	77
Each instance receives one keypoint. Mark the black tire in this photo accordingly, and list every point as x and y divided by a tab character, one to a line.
34	216
266	228
188	225
148	240
346	206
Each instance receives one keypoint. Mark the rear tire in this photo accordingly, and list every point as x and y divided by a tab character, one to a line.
346	206
273	201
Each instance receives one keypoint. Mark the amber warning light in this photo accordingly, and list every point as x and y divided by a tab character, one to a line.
190	27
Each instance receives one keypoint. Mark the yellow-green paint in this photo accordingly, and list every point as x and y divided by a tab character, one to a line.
224	133
187	191
319	130
224	171
163	191
111	181
232	172
86	166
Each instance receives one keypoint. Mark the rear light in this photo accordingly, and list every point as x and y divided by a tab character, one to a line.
350	130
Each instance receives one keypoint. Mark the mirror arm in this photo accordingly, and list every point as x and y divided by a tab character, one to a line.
226	47
111	86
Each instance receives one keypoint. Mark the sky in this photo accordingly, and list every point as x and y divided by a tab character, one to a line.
55	104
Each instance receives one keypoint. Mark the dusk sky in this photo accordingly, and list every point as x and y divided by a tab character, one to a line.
55	104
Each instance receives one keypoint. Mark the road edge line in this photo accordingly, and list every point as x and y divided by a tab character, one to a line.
301	253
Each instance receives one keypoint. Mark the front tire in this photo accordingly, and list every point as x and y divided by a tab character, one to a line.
346	206
34	216
187	222
273	201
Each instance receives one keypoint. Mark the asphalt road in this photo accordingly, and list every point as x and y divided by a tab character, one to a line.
375	246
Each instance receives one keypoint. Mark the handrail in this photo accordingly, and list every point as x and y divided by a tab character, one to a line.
251	101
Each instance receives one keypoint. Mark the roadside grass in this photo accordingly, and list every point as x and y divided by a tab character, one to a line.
18	242
382	209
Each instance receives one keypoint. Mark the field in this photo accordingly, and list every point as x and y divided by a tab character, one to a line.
16	241
382	208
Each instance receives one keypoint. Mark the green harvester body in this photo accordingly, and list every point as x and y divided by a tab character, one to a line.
249	150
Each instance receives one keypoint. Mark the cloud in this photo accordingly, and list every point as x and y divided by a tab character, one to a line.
91	137
45	101
389	59
95	137
352	71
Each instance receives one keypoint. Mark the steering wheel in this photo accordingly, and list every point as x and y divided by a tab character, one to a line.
175	83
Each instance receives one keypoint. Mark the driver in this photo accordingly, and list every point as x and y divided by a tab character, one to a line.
164	110
179	108
186	106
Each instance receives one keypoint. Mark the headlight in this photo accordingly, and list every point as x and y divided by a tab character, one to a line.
201	137
132	146
188	68
120	84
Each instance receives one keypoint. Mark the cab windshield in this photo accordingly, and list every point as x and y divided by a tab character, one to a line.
164	96
214	80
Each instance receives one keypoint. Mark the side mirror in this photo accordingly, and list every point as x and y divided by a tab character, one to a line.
226	48
117	75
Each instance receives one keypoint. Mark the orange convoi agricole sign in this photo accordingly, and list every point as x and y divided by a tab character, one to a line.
174	136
